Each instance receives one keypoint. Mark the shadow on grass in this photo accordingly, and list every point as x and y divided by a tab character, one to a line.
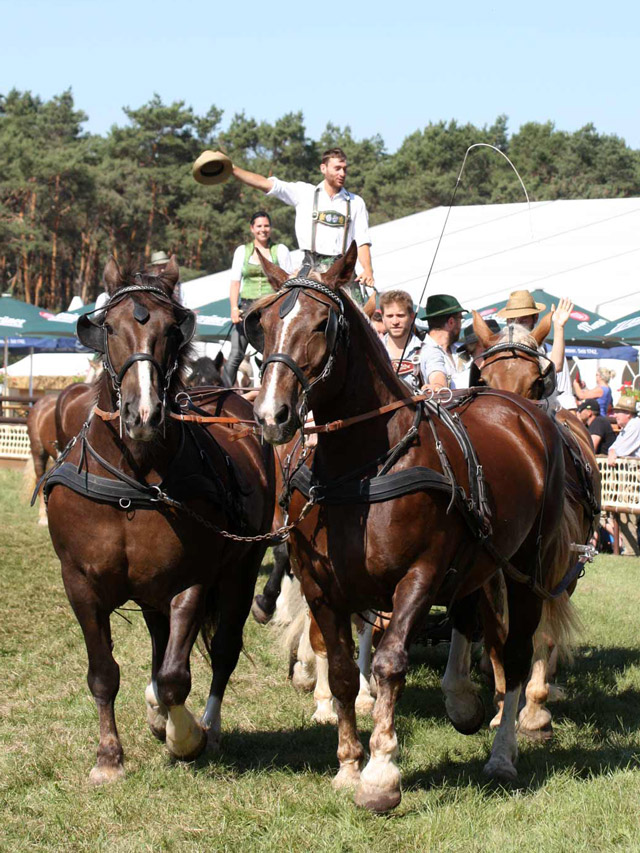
608	720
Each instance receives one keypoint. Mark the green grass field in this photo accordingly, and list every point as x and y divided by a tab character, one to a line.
269	790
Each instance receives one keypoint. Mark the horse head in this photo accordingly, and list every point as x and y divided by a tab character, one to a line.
142	334
207	371
511	360
299	330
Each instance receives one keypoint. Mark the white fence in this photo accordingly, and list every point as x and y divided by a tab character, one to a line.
620	485
14	442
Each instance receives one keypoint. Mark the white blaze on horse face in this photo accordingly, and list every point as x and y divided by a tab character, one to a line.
146	389
270	404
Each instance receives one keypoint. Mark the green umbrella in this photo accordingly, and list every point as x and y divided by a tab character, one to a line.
17	316
625	329
582	326
213	320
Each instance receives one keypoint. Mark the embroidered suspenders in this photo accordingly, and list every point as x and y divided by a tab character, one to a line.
331	218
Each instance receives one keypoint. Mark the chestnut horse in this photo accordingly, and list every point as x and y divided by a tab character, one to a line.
41	429
138	508
416	547
512	362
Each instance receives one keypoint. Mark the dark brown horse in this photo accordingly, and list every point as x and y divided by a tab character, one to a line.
512	362
407	552
137	508
41	429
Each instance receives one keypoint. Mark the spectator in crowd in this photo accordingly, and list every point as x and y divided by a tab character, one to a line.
439	365
600	430
522	308
378	325
601	393
248	283
328	216
628	441
399	340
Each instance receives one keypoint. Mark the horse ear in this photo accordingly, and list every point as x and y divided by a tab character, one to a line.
543	328
218	361
170	274
112	276
341	271
483	332
276	276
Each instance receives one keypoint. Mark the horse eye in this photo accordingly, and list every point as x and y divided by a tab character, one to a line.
321	327
108	328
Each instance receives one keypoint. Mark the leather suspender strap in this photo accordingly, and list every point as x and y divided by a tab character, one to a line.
314	222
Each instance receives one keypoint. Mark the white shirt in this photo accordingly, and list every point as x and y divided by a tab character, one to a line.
282	253
329	240
410	371
628	441
435	359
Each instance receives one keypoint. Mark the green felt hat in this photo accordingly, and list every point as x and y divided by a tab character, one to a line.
442	303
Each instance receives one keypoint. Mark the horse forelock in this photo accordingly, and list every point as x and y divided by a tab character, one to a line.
515	333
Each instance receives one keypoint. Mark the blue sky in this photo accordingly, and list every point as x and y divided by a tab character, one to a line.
387	68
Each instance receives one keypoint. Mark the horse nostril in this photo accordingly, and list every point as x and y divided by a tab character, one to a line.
282	415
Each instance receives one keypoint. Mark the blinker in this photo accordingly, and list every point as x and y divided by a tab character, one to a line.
289	302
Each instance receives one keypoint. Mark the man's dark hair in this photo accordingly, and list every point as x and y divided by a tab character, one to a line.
441	321
337	153
258	215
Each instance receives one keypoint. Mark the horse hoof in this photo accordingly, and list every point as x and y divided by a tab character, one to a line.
375	799
260	610
347	777
186	739
213	742
474	722
365	704
156	714
302	679
500	770
325	716
105	774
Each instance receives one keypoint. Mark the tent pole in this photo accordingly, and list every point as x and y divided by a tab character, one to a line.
31	371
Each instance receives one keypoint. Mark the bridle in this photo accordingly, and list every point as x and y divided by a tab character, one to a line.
509	350
337	329
95	336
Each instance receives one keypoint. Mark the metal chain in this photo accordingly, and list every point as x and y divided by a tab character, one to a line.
278	535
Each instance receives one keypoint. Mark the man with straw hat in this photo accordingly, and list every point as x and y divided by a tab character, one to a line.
627	443
521	308
438	364
328	216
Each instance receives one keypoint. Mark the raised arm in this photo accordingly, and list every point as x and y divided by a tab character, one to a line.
364	256
560	317
251	179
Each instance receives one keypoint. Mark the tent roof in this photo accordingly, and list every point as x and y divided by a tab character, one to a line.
587	249
52	364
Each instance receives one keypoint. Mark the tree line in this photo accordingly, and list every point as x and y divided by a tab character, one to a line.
69	199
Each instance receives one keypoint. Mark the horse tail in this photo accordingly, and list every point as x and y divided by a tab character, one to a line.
560	621
28	479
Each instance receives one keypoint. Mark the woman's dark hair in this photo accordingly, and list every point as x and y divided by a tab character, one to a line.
258	215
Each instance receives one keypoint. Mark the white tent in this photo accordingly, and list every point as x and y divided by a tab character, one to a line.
588	249
52	364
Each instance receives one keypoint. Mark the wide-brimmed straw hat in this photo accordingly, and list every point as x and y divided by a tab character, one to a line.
212	167
159	258
442	303
628	404
520	304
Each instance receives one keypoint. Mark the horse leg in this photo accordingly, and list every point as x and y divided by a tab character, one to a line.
103	675
524	616
379	788
364	699
231	608
264	605
343	681
157	711
325	712
304	661
494	608
185	737
462	702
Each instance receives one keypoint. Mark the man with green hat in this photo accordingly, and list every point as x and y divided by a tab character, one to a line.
438	364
